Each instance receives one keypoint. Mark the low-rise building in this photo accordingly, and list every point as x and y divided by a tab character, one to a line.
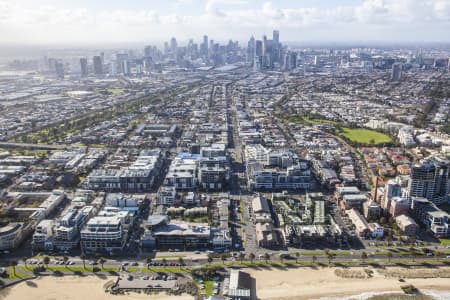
407	225
435	220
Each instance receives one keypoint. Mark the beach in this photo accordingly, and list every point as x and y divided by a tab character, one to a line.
73	288
306	283
276	283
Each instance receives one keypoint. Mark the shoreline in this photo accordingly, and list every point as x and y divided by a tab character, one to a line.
324	284
281	284
73	287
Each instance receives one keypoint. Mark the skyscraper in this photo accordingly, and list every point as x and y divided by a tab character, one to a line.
84	67
251	50
59	70
396	72
173	44
276	37
430	180
258	48
264	45
204	46
98	66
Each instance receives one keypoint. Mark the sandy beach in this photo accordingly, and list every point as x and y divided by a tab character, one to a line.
311	284
280	284
73	288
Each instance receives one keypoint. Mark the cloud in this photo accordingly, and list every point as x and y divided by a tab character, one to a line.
368	19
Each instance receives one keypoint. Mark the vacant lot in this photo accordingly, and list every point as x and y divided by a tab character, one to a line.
365	136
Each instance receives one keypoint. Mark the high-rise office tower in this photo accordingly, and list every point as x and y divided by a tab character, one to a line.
276	37
98	66
396	73
122	63
430	180
258	48
59	70
173	44
251	50
276	47
84	67
290	61
264	45
204	46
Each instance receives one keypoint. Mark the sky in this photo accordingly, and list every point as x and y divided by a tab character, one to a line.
97	22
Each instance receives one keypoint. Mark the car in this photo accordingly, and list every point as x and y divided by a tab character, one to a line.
145	278
448	256
134	264
430	254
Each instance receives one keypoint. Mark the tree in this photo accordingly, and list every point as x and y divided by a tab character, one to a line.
297	256
241	256
389	256
102	261
13	265
83	258
180	261
148	260
281	258
164	261
65	260
210	259
46	261
223	257
251	257
24	260
330	257
314	259
266	257
363	256
412	252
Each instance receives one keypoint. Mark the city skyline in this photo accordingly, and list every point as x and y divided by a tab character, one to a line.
67	22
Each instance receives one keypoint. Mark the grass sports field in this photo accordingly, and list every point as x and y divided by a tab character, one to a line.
365	136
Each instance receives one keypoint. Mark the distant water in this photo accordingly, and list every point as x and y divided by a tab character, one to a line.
395	295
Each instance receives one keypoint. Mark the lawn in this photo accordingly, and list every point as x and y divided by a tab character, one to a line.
445	242
365	136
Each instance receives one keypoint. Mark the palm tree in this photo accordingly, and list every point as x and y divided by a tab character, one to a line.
363	256
13	265
46	261
223	257
180	261
266	257
210	259
24	260
65	260
330	257
241	256
148	260
102	261
389	256
281	258
251	257
314	259
164	261
412	252
297	256
83	258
